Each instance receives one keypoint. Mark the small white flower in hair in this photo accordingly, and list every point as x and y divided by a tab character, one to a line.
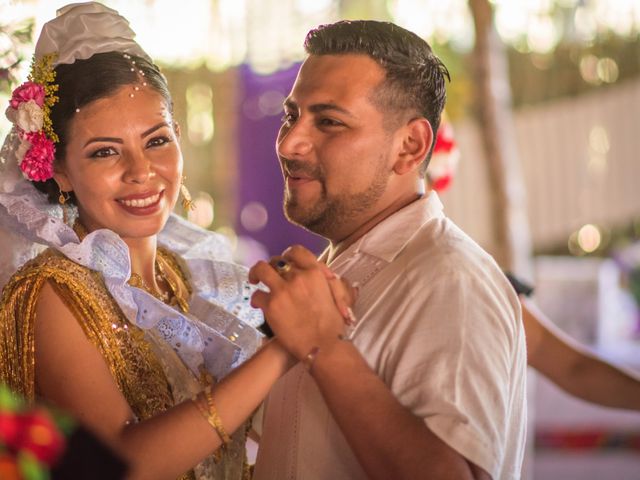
28	116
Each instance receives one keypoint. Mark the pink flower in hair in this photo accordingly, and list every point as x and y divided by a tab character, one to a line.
37	164
27	91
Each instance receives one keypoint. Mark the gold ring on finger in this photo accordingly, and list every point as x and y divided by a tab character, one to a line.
282	267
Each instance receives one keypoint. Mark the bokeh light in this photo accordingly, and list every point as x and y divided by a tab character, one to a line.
254	216
200	124
267	34
589	69
203	212
589	238
446	21
607	70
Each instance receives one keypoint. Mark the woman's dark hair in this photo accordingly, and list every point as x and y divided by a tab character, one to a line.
85	81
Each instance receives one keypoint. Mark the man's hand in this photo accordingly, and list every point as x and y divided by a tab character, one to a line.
307	305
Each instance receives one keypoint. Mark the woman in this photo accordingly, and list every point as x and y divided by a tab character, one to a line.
103	323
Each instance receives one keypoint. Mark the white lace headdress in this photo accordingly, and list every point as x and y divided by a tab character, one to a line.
224	336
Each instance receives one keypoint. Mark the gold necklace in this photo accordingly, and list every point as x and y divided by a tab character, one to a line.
170	280
171	297
136	281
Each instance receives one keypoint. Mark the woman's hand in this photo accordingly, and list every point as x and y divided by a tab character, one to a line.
344	294
307	305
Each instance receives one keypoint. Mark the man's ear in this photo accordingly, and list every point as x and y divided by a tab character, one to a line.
417	137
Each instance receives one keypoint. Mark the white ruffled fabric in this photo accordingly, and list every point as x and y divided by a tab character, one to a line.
81	30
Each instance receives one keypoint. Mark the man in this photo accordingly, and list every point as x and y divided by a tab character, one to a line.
428	380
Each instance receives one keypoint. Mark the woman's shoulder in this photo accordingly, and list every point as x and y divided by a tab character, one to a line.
50	264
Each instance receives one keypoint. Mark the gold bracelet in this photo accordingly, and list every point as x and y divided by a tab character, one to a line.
214	418
210	413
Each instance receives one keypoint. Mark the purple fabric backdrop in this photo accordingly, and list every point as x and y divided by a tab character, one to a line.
259	176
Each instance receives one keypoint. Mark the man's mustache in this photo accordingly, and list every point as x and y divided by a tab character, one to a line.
295	168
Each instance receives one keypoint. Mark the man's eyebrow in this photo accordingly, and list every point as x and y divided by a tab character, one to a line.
318	107
323	107
290	104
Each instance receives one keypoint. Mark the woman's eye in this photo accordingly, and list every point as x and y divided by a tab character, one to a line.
104	152
158	141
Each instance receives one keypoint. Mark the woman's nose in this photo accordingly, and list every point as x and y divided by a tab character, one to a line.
139	168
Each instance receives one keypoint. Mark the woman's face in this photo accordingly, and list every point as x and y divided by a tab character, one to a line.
123	163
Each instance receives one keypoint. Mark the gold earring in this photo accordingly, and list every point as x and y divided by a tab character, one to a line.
187	202
62	200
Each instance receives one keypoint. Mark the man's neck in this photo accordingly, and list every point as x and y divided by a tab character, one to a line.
336	247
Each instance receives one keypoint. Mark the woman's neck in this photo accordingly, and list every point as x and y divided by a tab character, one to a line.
142	253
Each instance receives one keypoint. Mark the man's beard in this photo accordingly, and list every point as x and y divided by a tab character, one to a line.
331	214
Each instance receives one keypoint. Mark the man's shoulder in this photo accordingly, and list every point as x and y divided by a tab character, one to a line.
442	261
440	247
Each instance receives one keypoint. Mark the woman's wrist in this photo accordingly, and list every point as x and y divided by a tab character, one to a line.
275	348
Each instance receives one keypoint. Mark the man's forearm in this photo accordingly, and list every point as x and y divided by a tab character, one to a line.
387	439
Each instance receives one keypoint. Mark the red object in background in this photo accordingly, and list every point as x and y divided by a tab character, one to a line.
33	432
445	142
41	437
444	159
587	439
9	468
442	183
9	428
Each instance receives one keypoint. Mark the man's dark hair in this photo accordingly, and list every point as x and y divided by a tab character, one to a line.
415	77
85	81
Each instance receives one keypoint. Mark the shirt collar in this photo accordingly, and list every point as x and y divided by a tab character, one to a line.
389	237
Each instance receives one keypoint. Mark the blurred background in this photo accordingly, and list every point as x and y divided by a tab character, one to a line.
539	159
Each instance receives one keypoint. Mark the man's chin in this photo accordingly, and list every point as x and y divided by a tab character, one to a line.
303	218
296	216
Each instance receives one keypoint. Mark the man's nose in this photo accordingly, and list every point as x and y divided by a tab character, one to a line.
294	141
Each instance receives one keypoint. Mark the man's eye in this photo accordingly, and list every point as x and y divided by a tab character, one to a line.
329	122
288	118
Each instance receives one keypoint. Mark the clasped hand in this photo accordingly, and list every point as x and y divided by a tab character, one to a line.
307	306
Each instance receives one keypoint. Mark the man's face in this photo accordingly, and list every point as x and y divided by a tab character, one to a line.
335	153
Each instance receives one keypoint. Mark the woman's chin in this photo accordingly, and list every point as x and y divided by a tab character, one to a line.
140	230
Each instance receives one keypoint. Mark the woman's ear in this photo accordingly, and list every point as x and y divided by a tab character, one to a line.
62	180
417	137
176	128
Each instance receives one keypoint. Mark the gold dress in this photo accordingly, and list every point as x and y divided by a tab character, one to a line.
148	372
